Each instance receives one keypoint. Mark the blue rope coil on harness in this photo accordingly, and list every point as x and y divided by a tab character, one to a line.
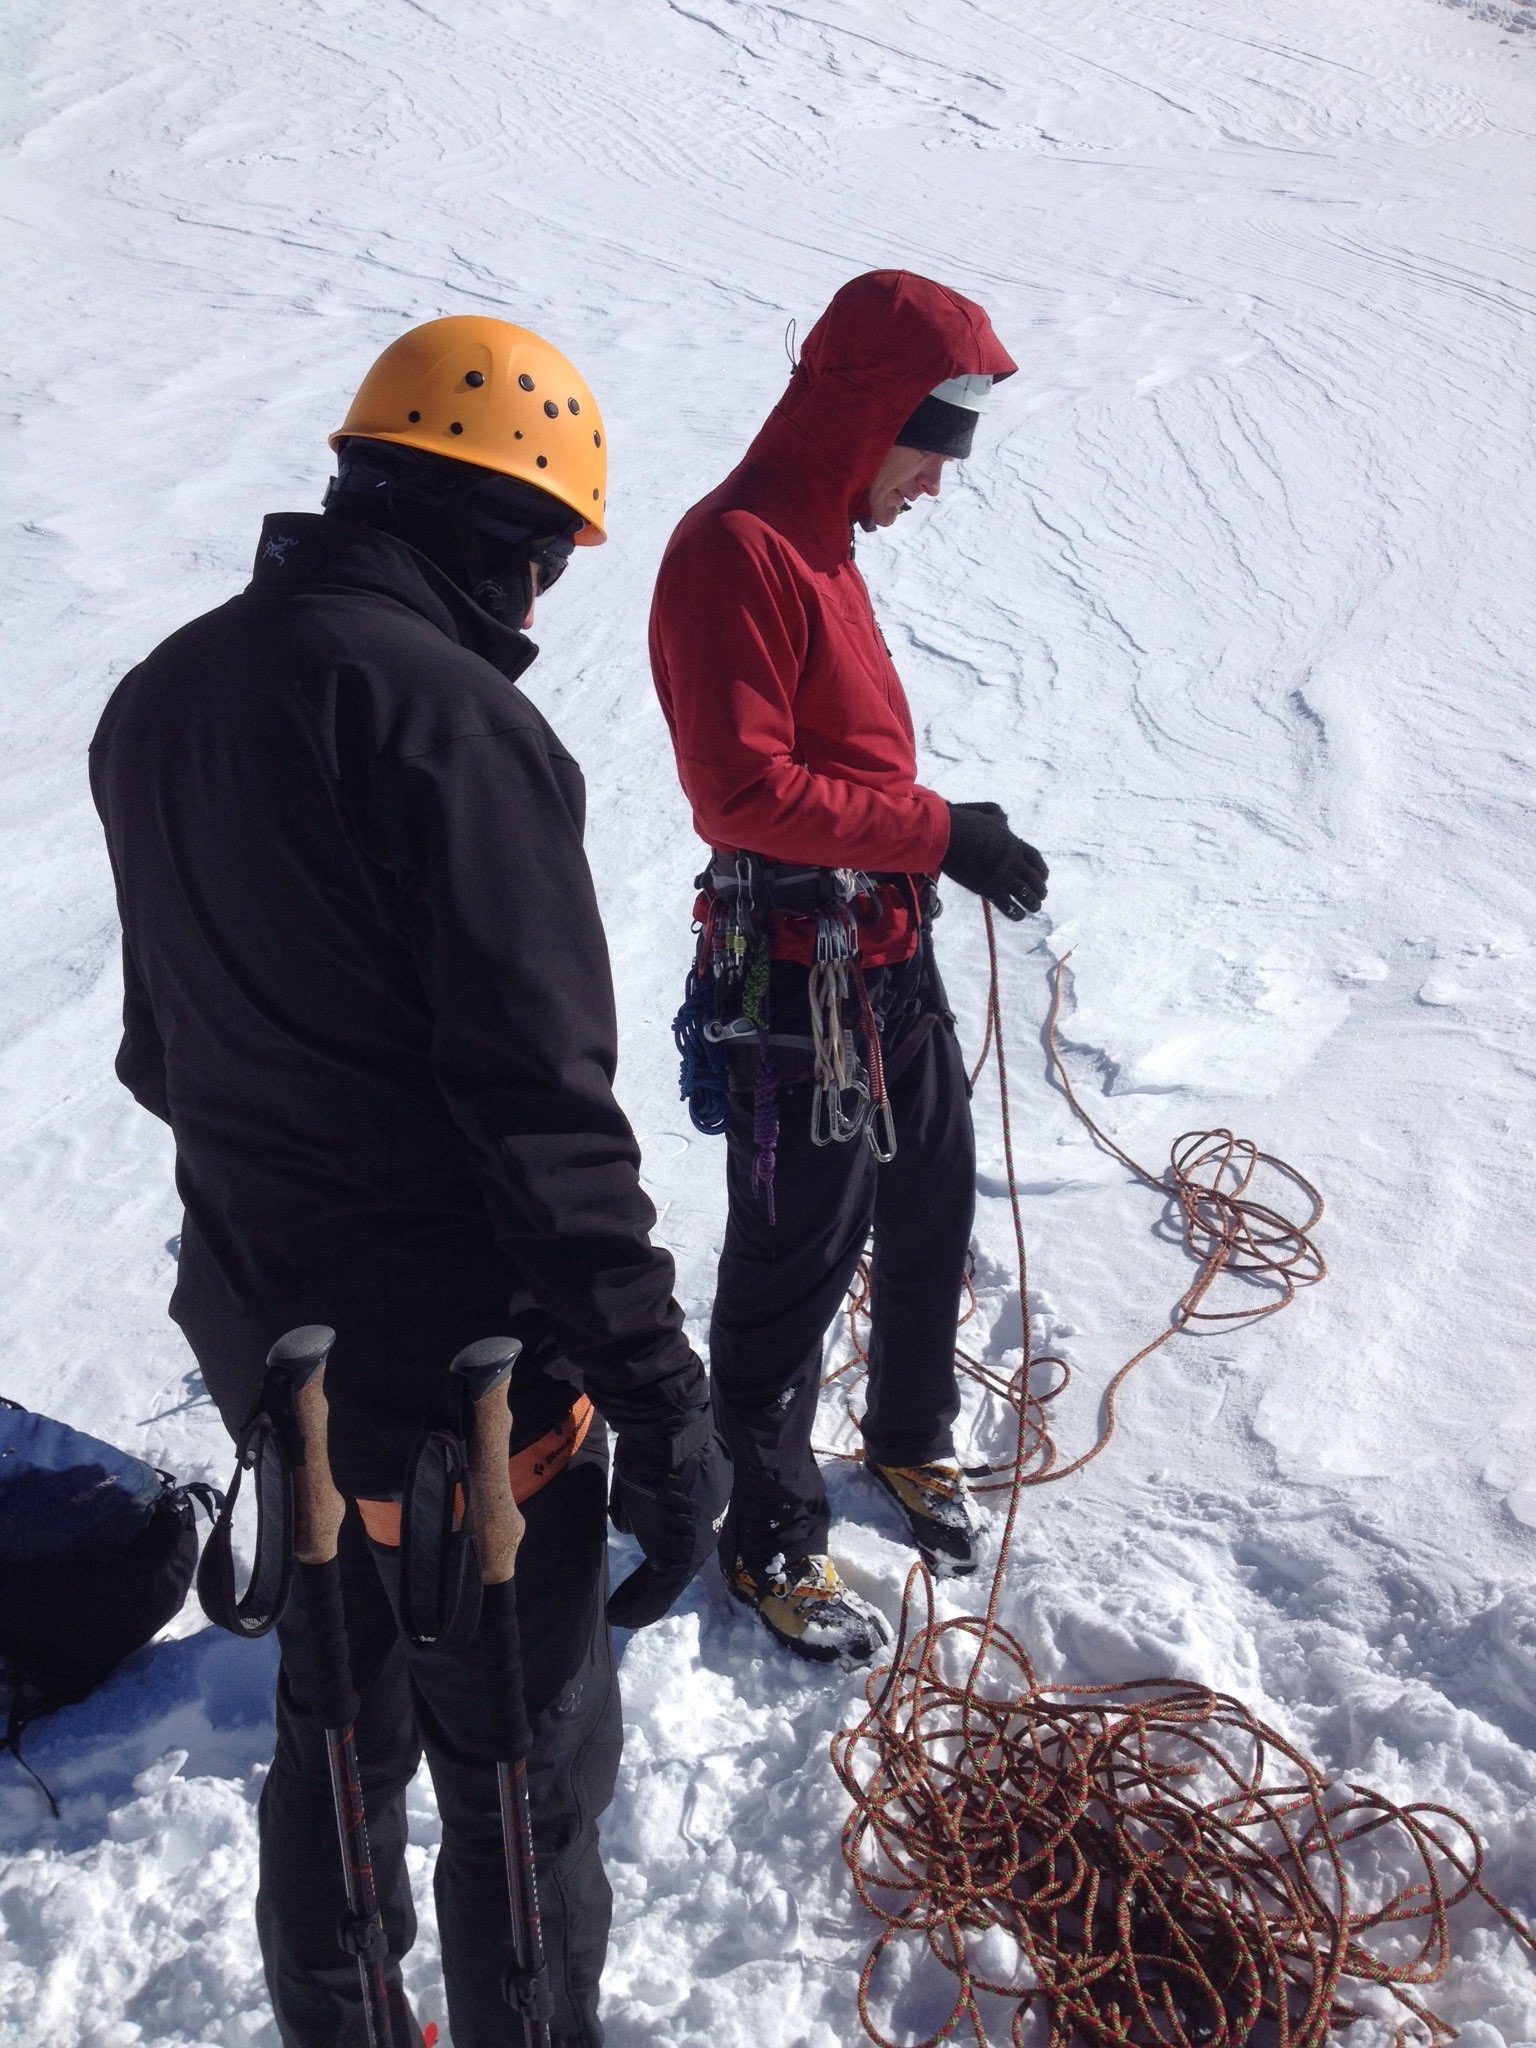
704	1078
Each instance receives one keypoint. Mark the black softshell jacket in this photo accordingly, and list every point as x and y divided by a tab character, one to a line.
366	984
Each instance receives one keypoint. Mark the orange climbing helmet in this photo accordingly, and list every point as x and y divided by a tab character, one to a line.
485	392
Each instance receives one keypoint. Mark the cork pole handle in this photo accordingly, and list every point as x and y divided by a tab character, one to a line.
485	1369
317	1507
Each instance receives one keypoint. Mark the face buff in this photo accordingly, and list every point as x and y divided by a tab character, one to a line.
501	540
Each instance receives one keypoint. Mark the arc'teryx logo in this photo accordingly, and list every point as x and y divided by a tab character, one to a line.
276	549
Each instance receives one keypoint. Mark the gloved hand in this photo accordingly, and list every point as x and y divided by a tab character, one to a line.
672	1493
985	857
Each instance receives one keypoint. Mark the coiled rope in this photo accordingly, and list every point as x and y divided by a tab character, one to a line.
1148	1864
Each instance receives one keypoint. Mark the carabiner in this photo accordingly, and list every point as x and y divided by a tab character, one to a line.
848	1127
823	1117
855	1126
835	935
725	1031
831	1123
881	1132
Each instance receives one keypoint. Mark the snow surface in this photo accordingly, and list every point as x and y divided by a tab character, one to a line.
1227	609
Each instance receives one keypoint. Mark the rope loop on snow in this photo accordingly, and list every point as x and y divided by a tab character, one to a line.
1147	1864
1226	1229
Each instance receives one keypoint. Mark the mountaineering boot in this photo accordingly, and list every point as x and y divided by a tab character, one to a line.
937	1508
807	1606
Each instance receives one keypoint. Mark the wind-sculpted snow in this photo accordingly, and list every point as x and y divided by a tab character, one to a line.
1229	609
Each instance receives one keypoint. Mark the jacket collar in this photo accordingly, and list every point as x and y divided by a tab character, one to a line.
305	552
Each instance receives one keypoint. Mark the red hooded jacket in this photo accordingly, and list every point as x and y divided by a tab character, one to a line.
790	725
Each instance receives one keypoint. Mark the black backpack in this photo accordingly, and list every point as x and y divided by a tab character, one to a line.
97	1550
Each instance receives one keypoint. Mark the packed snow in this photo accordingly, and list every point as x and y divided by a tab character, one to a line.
1227	609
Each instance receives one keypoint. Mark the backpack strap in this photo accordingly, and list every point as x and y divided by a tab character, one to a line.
266	1448
17	1723
185	1492
208	1498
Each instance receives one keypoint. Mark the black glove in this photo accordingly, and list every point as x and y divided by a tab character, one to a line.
671	1492
985	857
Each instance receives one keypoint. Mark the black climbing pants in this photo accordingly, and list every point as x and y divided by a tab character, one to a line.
781	1283
432	1701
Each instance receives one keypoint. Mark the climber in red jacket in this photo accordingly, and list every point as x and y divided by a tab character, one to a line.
816	1030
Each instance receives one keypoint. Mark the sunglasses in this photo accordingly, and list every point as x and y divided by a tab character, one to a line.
547	552
551	556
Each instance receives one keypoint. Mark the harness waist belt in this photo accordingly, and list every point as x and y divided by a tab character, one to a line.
531	1468
797	891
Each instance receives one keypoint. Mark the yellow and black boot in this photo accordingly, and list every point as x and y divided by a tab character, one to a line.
937	1509
807	1606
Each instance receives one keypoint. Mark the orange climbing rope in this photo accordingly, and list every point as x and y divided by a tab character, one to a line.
1144	1865
1211	1179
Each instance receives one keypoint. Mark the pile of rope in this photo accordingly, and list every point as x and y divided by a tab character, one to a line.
1144	1865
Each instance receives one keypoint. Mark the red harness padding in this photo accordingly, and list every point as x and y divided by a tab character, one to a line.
888	919
889	928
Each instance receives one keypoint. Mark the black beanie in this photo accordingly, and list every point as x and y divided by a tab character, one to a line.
939	428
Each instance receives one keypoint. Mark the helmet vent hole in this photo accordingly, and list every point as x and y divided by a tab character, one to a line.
457	427
594	497
574	404
517	434
475	379
526	381
413	417
597	440
543	461
551	408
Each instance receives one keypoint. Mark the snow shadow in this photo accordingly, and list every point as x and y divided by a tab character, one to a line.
206	1699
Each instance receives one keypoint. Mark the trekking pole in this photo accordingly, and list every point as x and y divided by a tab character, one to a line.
317	1516
485	1369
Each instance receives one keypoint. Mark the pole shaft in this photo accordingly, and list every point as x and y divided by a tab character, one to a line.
498	1525
522	1882
357	1871
318	1512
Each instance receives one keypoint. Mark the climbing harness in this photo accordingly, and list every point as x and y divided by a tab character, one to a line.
1142	1865
750	913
